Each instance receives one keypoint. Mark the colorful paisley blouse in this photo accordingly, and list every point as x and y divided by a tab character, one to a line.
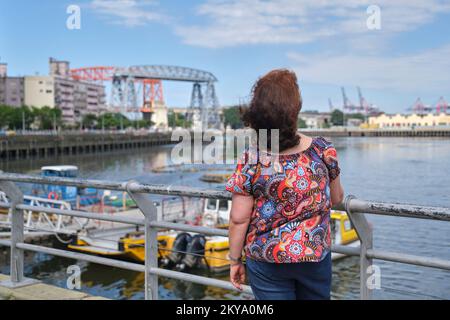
291	217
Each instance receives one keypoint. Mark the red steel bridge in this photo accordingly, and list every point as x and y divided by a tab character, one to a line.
136	89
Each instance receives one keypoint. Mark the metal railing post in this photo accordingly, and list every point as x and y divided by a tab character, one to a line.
364	232
151	240
16	277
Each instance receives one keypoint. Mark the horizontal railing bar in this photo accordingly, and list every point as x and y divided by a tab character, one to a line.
399	210
118	186
5	243
376	254
355	205
349	251
133	267
8	225
82	183
199	279
179	191
189	228
82	214
81	256
409	259
5	205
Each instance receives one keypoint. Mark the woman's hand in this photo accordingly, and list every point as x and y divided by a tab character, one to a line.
237	275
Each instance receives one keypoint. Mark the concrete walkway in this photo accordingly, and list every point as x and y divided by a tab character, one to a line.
41	291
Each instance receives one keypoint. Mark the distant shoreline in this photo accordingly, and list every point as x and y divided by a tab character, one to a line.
357	132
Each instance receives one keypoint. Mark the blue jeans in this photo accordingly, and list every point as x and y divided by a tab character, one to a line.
290	281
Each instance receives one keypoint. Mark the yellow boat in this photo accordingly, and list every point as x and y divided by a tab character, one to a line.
215	177
183	250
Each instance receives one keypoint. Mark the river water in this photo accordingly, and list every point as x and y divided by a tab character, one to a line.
407	170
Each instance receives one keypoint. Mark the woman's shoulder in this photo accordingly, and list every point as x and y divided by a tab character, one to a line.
248	156
322	143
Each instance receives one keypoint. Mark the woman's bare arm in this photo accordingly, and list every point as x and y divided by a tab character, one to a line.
336	191
241	211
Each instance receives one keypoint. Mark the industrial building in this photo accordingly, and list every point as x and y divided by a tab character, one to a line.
410	120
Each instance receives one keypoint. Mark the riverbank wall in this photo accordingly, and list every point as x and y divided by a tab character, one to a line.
26	146
356	132
42	146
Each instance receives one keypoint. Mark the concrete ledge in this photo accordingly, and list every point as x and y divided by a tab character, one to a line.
41	291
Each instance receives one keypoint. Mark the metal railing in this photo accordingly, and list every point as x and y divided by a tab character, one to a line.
355	208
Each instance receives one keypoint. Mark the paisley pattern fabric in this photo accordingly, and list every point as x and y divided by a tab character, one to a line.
290	221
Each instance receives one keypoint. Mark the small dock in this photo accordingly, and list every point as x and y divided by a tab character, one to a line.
42	291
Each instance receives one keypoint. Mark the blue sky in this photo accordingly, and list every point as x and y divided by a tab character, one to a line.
326	42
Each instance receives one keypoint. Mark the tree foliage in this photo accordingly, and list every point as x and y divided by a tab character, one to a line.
301	123
337	118
46	118
178	120
232	117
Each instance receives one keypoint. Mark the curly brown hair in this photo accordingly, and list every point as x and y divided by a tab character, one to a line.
276	102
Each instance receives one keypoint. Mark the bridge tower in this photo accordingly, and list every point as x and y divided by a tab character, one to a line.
153	107
204	106
124	96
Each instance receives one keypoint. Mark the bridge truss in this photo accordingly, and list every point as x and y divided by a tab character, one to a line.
135	89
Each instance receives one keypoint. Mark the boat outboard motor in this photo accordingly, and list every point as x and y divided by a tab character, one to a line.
179	248
194	252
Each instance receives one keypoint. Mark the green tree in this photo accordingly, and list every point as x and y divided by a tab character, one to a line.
178	120
15	118
232	117
48	118
117	121
301	123
356	116
90	121
337	118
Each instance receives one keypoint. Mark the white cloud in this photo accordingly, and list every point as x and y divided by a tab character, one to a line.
424	72
130	13
238	22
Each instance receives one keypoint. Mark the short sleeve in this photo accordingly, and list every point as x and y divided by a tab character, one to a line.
330	159
240	181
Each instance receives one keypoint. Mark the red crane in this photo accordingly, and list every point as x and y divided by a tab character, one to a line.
442	106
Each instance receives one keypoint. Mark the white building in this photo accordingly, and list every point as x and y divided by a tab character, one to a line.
315	119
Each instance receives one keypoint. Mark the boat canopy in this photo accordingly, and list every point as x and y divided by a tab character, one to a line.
60	171
59	168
